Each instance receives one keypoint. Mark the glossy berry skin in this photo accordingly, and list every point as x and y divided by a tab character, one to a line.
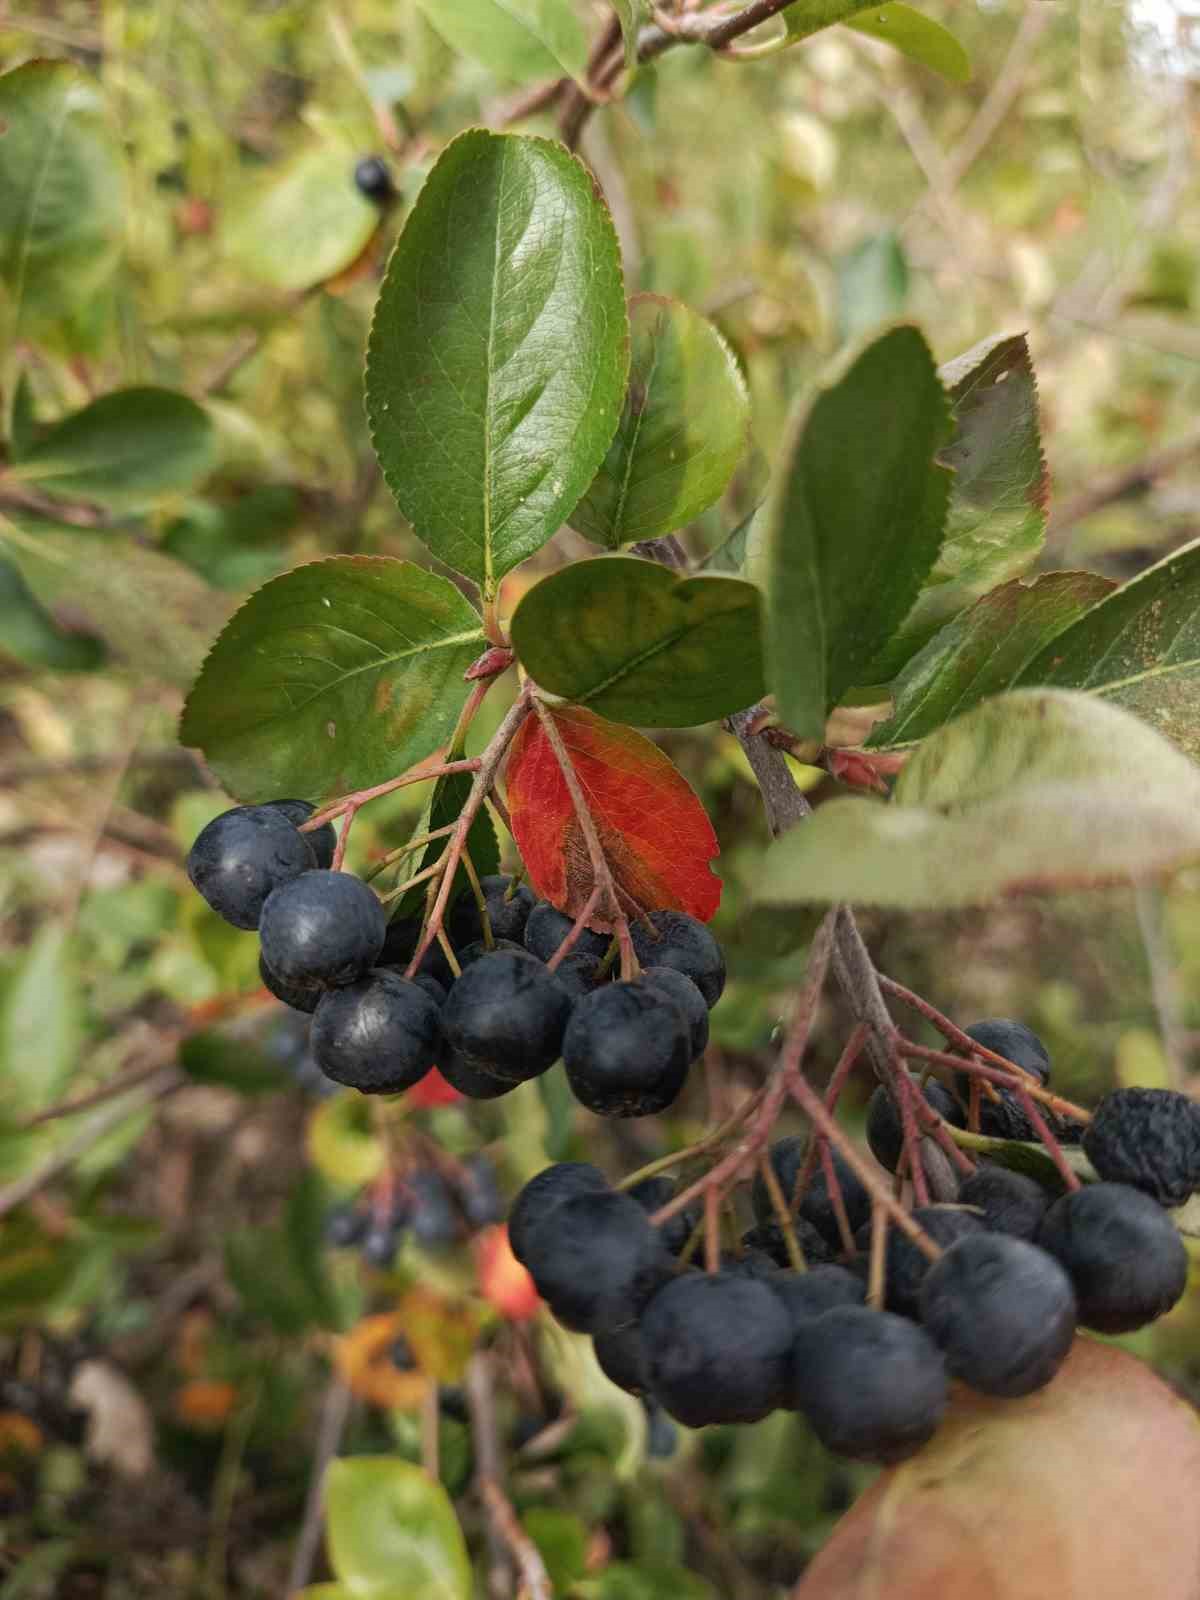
300	996
769	1238
1015	1042
578	975
787	1159
1002	1311
1149	1139
469	1077
872	1384
654	1193
673	939
507	915
1010	1202
595	1260
677	986
622	1358
626	1050
718	1348
241	856
885	1135
546	1190
374	181
507	1014
905	1266
322	841
811	1294
1121	1252
379	1035
546	927
323	927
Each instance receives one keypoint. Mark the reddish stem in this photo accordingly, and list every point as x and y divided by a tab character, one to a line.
577	931
1042	1129
836	1198
1010	1077
911	1137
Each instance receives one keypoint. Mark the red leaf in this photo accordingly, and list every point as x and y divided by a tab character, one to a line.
655	833
432	1090
503	1281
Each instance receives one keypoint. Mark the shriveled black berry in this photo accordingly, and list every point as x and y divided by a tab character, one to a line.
680	988
596	1260
816	1206
622	1358
1010	1202
813	1293
1002	1311
872	1384
322	927
507	1014
546	1190
470	1078
905	1265
507	912
244	854
718	1347
479	1192
769	1238
1148	1138
673	939
885	1134
1015	1042
300	996
626	1050
346	1225
374	180
379	1035
1121	1252
322	841
654	1193
433	1219
546	927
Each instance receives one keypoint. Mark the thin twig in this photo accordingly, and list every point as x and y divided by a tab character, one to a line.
335	1414
1107	487
505	1532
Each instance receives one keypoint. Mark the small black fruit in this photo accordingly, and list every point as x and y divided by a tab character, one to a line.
810	1294
626	1050
300	996
322	841
507	1015
1122	1253
884	1132
673	939
654	1193
1148	1138
469	1077
622	1358
680	988
787	1158
1010	1202
718	1347
546	927
769	1238
374	181
1015	1042
241	856
379	1035
507	908
596	1260
322	927
546	1190
434	1223
905	1265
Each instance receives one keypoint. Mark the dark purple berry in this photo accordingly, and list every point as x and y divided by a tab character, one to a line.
595	1260
546	1190
885	1133
374	181
1009	1202
673	939
546	928
244	854
322	841
626	1050
680	988
322	927
1121	1252
507	908
718	1348
379	1035
507	1015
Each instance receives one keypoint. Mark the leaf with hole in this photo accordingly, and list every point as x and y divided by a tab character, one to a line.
517	39
655	834
391	1526
336	676
497	360
855	525
302	223
682	431
638	644
1032	791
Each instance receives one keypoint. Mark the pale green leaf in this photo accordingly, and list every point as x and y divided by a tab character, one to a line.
301	223
517	39
390	1525
40	1023
916	36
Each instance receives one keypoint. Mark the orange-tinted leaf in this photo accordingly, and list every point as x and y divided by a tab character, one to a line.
19	1435
363	1358
655	833
205	1403
1088	1488
441	1332
503	1281
432	1090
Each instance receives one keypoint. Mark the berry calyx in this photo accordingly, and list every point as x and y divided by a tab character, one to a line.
379	1035
626	1050
240	857
322	928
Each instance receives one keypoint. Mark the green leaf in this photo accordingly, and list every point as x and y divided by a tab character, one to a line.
562	1540
517	39
389	1524
217	1056
872	284
997	516
632	15
449	798
40	1023
638	644
260	1269
31	636
738	552
155	615
682	431
1139	648
304	1237
807	17
301	223
1036	790
336	676
62	194
985	650
125	450
343	1143
497	360
855	525
916	36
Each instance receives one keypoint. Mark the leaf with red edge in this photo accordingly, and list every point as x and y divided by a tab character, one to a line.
656	836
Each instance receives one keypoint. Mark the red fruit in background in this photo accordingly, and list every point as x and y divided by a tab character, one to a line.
503	1281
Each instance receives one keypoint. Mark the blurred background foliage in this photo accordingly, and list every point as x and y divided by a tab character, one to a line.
168	1304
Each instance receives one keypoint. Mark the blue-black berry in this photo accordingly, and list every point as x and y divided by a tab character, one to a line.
244	854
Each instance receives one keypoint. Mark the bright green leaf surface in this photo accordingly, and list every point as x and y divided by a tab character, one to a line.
807	17
498	355
855	525
1032	791
29	634
303	222
681	434
518	39
390	1525
985	650
124	451
333	677
632	14
916	36
637	644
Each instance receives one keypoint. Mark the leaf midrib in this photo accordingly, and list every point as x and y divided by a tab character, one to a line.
648	654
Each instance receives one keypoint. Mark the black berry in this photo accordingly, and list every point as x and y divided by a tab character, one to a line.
1148	1138
816	1206
1003	1312
905	1265
885	1134
769	1238
244	854
380	1243
718	1348
322	927
654	1193
322	841
399	945
578	975
477	949
820	1289
873	1385
546	1190
1010	1202
470	1078
626	1050
300	996
1122	1253
546	927
596	1260
374	181
507	1015
622	1358
346	1225
1015	1042
678	987
673	939
507	912
379	1035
